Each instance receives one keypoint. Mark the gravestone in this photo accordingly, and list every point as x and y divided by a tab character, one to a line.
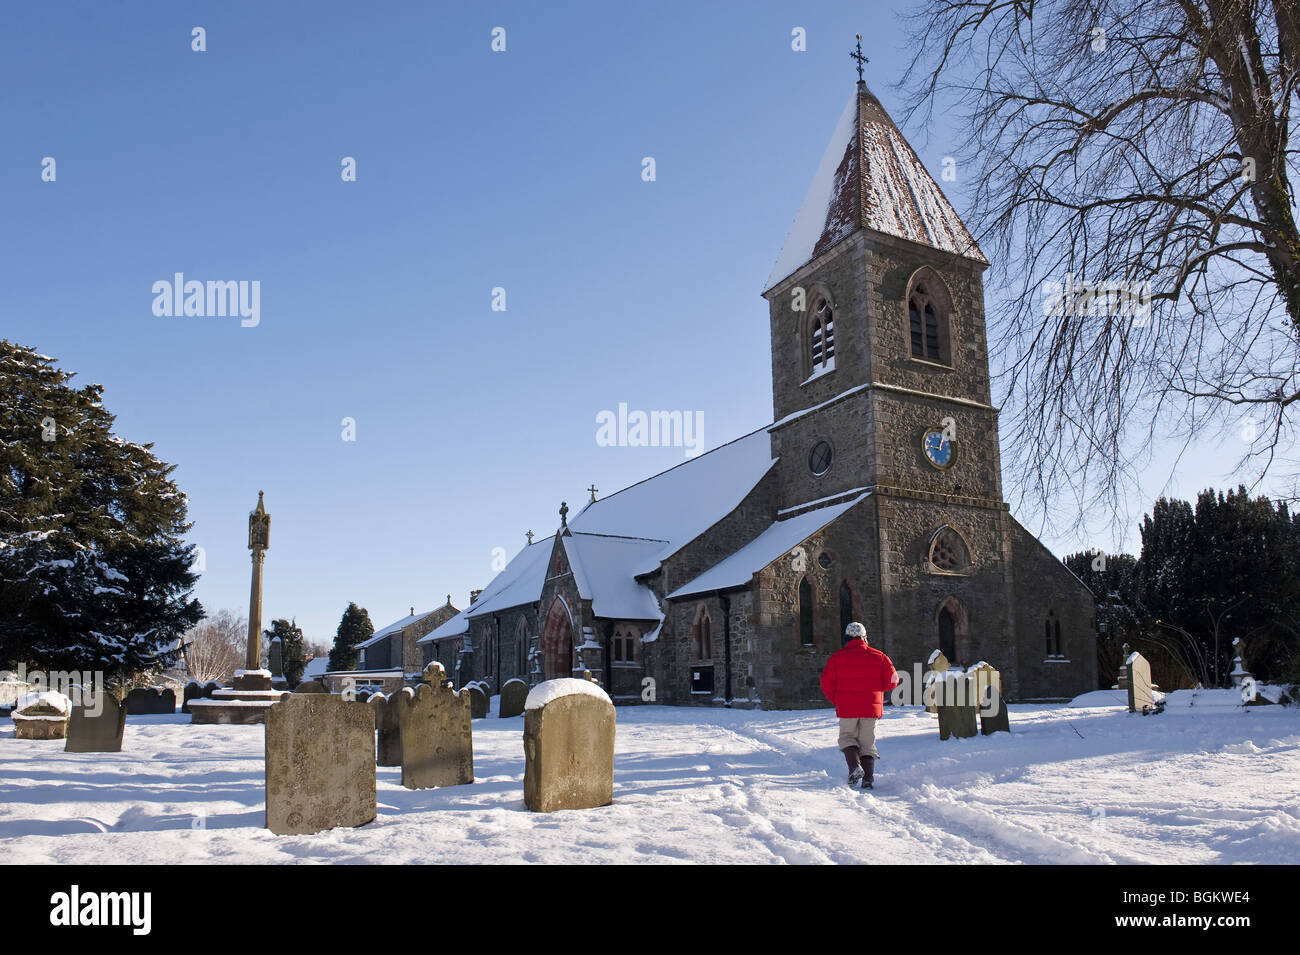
310	686
193	691
1121	679
96	724
320	764
938	665
513	695
389	746
435	674
1140	696
151	701
437	742
988	694
11	688
956	705
568	746
478	701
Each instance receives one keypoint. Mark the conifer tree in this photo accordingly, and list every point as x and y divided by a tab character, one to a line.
292	662
94	574
354	628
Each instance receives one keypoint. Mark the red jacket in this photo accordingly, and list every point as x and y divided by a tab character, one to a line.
856	680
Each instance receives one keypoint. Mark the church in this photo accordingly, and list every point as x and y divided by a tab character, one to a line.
874	495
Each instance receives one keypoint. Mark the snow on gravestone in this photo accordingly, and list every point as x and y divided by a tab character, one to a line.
988	694
96	725
1140	697
320	764
478	700
568	746
437	741
513	697
956	705
41	715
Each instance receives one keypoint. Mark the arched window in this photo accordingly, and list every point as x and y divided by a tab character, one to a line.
1052	632
805	613
702	637
625	642
521	647
1056	626
948	552
846	606
948	634
928	310
819	338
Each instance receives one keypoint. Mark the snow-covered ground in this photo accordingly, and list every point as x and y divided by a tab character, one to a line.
1203	782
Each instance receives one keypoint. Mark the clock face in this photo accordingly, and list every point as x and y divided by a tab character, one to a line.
938	449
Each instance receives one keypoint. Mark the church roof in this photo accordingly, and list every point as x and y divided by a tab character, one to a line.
676	506
871	178
392	628
605	568
780	538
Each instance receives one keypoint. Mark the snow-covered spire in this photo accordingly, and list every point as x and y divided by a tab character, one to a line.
870	178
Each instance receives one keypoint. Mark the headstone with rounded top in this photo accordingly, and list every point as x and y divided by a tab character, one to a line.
151	701
310	686
937	665
513	696
96	724
437	741
957	705
478	699
320	764
192	691
389	746
988	694
568	746
1141	695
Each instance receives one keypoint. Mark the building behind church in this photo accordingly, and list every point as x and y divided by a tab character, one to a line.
875	494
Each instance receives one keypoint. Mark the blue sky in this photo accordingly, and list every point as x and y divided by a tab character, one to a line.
475	170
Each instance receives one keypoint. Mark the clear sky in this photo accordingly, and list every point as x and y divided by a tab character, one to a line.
475	170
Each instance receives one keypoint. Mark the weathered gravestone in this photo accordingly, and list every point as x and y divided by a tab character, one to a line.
193	691
437	742
1141	699
150	700
11	688
96	724
568	746
435	674
513	696
956	704
320	764
1121	679
310	686
988	694
42	715
478	700
388	750
938	664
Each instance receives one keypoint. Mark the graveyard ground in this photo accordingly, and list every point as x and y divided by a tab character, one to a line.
1204	782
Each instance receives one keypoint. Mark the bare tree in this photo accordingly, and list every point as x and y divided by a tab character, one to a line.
1133	186
216	647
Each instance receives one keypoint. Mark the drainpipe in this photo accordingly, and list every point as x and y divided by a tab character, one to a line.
726	643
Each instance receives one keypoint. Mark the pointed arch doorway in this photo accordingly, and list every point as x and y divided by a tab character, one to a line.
952	629
557	642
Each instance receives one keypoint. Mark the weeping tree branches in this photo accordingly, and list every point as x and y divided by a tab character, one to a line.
1134	185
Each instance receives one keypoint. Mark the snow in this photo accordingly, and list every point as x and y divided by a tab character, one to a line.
51	698
1190	786
544	693
681	503
453	627
603	569
773	543
391	629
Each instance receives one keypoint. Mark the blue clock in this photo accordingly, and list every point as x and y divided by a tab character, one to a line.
939	450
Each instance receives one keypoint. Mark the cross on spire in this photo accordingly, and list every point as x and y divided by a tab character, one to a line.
593	489
859	57
529	535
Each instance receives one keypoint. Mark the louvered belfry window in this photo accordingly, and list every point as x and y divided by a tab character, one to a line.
822	337
924	325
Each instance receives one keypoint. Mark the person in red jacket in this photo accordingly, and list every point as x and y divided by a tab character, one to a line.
856	680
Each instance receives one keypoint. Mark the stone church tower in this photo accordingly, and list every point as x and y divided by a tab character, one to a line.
880	381
875	495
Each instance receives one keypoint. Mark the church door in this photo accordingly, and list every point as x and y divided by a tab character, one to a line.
948	635
557	642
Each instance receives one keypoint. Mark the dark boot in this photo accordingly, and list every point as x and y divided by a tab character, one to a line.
868	772
855	766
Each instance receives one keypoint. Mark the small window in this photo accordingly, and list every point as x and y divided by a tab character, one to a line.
805	613
846	606
821	338
819	461
703	637
824	560
929	308
948	551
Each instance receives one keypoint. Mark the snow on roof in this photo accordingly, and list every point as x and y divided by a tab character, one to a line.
519	583
778	539
315	667
871	178
393	628
677	505
544	693
604	569
452	627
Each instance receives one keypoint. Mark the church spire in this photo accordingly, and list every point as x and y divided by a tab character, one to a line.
870	178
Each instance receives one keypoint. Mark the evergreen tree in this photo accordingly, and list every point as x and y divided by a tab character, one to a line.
354	628
1113	580
94	573
292	658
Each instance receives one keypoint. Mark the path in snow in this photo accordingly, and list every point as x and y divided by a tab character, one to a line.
1085	784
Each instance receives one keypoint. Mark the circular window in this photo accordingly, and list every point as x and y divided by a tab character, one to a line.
824	559
820	459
